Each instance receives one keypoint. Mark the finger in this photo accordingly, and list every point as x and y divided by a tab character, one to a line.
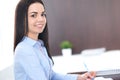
93	73
84	76
89	76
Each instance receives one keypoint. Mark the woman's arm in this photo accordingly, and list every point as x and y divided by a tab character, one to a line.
58	76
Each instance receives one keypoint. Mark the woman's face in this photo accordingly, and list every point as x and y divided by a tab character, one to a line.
36	19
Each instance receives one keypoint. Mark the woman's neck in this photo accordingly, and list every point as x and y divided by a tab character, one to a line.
33	36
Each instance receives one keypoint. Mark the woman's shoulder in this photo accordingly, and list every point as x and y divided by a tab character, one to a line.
23	45
22	48
26	46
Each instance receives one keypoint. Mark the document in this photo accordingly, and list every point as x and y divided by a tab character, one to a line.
102	78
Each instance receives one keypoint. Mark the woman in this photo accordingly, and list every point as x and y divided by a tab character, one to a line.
32	58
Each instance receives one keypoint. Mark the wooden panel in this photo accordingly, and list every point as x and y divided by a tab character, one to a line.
86	23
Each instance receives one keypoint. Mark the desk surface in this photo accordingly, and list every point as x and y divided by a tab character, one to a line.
75	63
113	76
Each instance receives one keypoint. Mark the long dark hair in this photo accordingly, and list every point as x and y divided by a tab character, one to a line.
21	24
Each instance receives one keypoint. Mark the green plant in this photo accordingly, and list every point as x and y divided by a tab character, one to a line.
65	44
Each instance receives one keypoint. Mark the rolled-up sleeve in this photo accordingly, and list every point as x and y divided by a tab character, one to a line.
58	76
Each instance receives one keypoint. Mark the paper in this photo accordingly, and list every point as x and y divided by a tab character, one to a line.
102	78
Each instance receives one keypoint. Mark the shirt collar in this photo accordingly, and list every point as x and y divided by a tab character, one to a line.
29	41
32	42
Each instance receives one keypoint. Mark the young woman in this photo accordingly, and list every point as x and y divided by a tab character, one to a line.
32	58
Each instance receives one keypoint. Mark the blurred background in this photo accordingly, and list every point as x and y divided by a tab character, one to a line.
87	24
7	9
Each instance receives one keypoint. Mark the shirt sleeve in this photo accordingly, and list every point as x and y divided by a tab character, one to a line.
58	76
30	65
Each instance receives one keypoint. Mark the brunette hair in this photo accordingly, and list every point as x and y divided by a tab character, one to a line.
21	24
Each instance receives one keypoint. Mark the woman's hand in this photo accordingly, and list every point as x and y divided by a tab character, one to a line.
87	76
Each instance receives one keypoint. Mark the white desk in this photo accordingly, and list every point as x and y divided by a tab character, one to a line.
75	63
67	64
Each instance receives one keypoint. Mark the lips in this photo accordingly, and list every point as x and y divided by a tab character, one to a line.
39	25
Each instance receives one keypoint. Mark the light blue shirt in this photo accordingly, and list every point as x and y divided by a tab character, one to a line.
31	62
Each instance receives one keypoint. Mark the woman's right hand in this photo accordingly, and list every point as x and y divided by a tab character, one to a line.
87	76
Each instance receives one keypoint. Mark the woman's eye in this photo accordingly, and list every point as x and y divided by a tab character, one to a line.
33	15
43	14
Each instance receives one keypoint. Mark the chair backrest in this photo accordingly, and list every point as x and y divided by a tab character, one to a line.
93	52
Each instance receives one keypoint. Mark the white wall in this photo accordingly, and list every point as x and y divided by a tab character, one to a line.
7	11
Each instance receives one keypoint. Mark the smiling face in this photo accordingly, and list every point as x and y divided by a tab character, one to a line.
36	20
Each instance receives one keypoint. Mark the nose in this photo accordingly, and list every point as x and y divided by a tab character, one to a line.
40	18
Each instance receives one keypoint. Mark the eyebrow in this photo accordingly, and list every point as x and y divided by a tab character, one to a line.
37	12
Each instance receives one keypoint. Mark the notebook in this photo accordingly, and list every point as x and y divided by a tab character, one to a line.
108	72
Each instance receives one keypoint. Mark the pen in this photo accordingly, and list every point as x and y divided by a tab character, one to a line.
87	69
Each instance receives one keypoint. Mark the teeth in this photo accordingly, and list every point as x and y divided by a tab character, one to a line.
38	25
